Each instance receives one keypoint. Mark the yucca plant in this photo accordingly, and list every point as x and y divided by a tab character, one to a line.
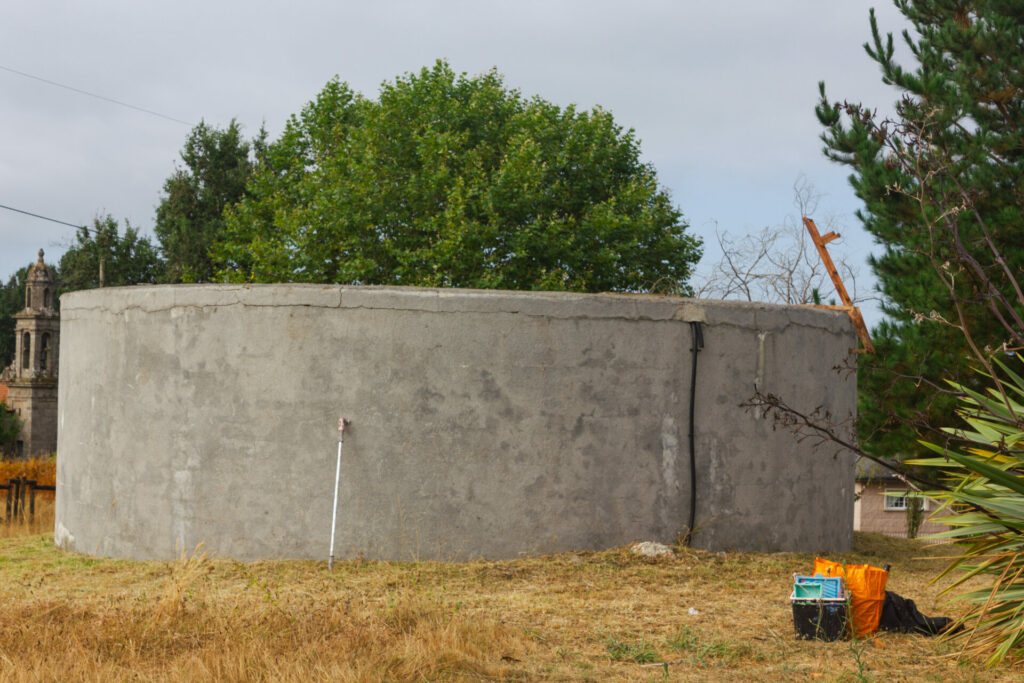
982	465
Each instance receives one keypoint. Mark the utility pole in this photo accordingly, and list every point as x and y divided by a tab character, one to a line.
103	253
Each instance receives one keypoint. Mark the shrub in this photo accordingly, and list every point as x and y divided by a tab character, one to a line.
44	471
10	426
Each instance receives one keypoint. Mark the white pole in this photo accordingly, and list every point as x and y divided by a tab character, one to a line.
337	477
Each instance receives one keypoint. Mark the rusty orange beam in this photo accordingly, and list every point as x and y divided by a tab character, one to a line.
855	317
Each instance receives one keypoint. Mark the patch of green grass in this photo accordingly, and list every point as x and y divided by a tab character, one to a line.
686	641
639	651
683	640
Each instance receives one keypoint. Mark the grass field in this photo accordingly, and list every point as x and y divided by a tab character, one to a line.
606	616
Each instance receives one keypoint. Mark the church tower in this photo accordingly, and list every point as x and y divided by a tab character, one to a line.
32	380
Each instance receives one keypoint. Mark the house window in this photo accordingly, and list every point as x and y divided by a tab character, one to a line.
895	500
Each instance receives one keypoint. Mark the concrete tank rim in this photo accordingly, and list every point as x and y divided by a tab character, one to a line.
559	304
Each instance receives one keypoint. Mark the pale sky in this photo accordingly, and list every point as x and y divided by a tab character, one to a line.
721	95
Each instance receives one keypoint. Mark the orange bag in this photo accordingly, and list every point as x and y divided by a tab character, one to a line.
867	591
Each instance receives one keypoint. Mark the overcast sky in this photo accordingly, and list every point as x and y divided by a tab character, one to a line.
720	94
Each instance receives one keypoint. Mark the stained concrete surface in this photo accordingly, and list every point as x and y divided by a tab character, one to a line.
483	423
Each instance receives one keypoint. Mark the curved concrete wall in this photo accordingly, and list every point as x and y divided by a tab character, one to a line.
483	424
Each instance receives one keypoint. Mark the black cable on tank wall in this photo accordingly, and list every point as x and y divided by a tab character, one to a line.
697	337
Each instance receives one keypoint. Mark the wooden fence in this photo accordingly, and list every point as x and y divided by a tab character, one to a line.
21	494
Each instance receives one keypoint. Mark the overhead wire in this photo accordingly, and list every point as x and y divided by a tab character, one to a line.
70	225
98	97
92	94
45	218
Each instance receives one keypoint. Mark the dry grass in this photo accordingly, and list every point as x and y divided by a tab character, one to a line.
578	616
27	525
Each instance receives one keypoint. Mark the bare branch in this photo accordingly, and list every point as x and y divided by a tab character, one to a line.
777	264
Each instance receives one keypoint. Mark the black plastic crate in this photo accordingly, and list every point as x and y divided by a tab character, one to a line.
825	619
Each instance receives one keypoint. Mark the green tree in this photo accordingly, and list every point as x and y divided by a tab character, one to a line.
455	181
10	428
126	259
190	216
12	300
942	185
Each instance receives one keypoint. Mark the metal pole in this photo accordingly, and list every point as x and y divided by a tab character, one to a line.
337	478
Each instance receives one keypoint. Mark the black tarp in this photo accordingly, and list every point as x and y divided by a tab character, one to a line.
901	614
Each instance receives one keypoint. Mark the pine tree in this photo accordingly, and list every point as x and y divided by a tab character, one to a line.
942	185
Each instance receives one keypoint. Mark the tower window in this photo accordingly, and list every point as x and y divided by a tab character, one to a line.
26	350
28	297
46	297
44	352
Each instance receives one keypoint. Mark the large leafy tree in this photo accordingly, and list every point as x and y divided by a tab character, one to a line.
451	180
943	189
190	216
127	259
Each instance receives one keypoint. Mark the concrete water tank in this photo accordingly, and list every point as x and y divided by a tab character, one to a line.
483	423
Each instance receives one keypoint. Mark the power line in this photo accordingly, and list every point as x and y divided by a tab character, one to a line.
92	94
45	218
70	225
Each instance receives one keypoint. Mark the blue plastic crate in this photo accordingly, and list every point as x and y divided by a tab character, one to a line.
831	586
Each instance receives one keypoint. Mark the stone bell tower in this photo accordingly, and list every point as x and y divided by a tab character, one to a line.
32	379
